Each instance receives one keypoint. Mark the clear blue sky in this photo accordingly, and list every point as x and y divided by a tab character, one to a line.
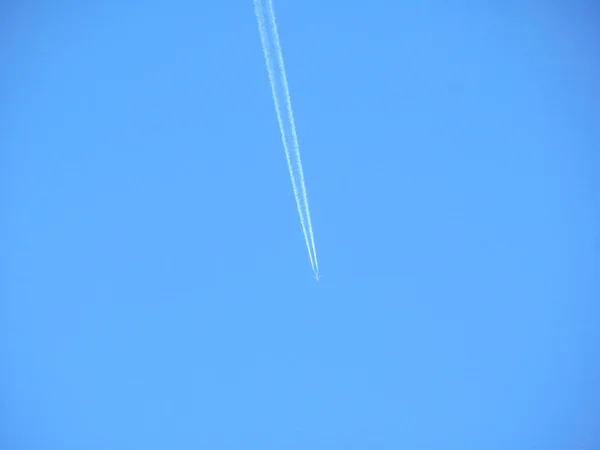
155	291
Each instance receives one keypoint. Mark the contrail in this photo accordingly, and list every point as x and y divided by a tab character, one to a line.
265	46
288	103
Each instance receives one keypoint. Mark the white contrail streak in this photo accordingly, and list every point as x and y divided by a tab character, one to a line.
265	46
296	146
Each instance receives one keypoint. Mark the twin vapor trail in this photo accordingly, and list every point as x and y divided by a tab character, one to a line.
271	47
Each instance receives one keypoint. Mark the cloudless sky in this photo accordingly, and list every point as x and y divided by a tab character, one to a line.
155	291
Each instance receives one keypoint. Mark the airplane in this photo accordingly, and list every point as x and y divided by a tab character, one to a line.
317	276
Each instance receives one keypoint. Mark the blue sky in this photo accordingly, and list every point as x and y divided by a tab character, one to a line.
155	290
